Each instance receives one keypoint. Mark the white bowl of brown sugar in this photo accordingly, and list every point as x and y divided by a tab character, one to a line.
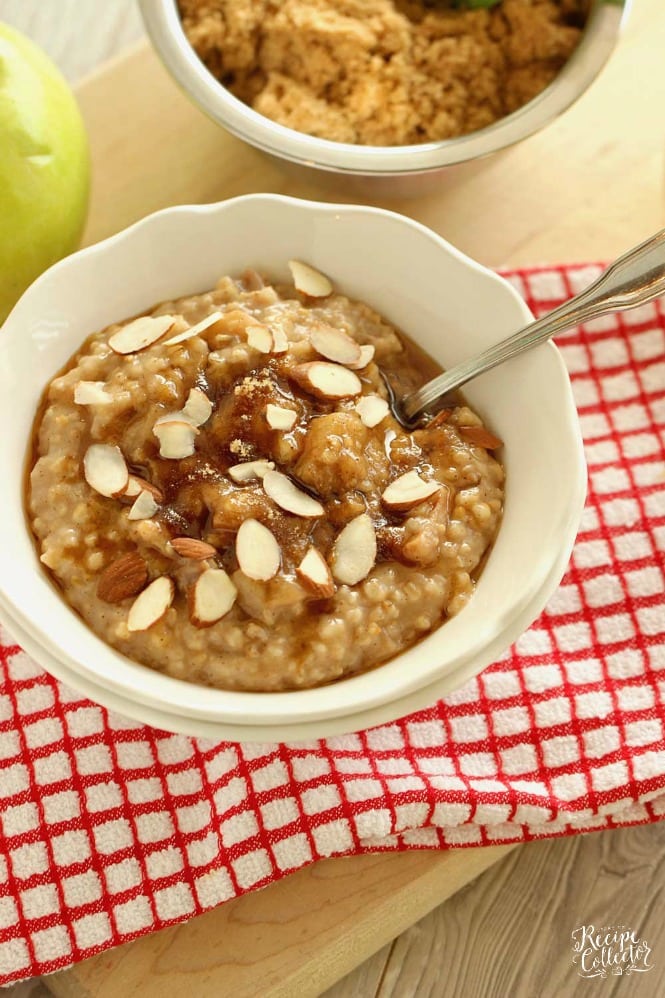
385	89
223	530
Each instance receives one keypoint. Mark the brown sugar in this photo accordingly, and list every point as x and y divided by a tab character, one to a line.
384	72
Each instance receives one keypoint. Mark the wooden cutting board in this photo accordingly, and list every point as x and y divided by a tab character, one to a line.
585	188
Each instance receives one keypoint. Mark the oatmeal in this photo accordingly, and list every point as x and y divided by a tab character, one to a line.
221	492
384	72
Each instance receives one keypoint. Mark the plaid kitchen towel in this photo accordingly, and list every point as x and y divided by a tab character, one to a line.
110	829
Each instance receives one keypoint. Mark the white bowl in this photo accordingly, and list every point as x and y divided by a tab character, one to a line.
450	305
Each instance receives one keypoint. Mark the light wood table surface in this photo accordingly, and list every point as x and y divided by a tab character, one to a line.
508	932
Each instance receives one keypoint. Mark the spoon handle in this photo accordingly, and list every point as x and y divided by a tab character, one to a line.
635	278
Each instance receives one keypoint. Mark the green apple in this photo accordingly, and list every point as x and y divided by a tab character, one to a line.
44	166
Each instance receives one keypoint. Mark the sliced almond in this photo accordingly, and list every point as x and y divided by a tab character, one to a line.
354	551
196	411
91	393
140	333
335	344
260	338
314	574
408	490
280	341
144	506
198	407
480	437
169	417
133	487
124	577
247	470
105	469
366	355
192	547
280	418
372	409
252	280
136	485
149	608
176	438
195	330
257	551
326	381
288	496
211	597
442	416
309	281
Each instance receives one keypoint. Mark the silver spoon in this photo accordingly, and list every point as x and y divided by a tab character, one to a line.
635	278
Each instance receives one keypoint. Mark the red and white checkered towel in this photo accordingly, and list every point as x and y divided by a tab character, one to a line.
109	829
